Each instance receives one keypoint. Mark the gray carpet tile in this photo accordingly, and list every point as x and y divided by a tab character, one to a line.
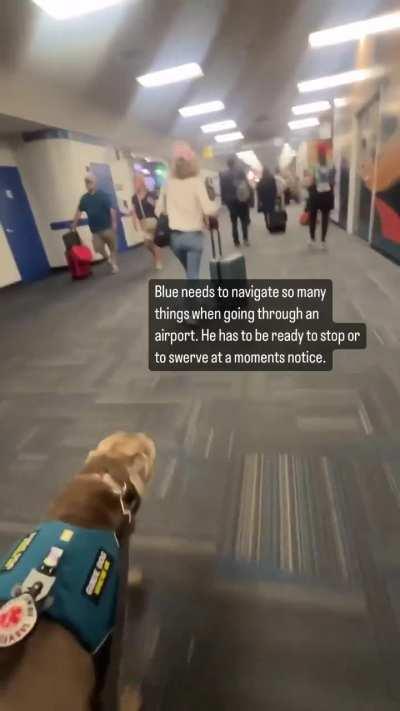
270	539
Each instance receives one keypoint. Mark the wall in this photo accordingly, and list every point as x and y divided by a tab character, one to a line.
83	155
53	170
7	152
9	273
46	168
52	165
367	150
45	103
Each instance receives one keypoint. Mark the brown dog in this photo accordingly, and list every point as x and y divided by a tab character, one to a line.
50	670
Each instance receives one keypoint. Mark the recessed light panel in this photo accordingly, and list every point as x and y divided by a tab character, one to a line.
172	75
228	137
355	30
65	9
208	107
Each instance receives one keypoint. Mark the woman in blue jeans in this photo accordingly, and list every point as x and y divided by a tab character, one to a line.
184	198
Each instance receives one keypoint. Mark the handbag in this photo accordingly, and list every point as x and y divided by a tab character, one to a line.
148	224
304	218
162	235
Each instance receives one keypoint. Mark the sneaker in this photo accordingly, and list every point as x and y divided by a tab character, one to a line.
114	269
158	266
324	247
311	243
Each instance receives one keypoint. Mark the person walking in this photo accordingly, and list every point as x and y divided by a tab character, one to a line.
280	185
321	198
102	219
236	195
267	193
144	216
185	200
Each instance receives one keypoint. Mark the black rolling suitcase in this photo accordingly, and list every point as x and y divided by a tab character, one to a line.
277	219
222	268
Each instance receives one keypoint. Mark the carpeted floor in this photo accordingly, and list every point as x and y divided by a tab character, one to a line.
271	539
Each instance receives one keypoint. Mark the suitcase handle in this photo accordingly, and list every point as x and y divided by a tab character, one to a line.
213	242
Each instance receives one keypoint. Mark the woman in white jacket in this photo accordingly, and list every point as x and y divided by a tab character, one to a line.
185	200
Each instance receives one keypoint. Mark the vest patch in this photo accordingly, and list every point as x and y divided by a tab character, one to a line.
97	579
18	552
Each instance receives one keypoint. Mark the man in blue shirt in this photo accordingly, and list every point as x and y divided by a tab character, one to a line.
102	221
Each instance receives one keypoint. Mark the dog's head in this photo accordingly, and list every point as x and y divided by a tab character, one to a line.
109	489
125	464
134	453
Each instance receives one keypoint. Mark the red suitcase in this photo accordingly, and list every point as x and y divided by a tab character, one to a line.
79	260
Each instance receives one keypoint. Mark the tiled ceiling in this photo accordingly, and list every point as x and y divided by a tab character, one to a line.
252	53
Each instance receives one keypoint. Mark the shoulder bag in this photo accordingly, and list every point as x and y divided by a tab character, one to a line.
148	224
162	235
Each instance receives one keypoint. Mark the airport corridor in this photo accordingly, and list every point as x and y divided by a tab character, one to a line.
270	542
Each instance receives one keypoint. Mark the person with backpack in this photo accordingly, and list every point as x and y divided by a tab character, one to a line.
267	193
236	195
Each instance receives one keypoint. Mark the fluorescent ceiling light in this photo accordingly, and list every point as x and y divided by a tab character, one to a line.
219	126
172	75
330	82
64	9
341	102
227	137
303	123
355	30
250	158
314	108
198	109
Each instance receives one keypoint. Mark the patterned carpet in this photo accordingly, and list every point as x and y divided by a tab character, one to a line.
271	539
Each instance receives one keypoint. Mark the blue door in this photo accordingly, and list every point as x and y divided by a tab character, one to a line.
20	228
102	171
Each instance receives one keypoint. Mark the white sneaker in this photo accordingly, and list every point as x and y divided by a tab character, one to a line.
311	243
324	247
158	266
114	269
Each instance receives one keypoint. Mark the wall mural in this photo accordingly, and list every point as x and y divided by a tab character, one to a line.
341	161
368	124
377	189
386	230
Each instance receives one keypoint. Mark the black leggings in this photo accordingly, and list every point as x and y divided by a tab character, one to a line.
313	223
239	211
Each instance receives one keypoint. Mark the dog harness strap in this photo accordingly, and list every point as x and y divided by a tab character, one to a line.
83	595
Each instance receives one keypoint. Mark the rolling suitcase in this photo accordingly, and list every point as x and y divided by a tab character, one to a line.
221	268
277	220
71	239
78	256
79	259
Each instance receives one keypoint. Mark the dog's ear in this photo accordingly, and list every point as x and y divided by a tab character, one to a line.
140	470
